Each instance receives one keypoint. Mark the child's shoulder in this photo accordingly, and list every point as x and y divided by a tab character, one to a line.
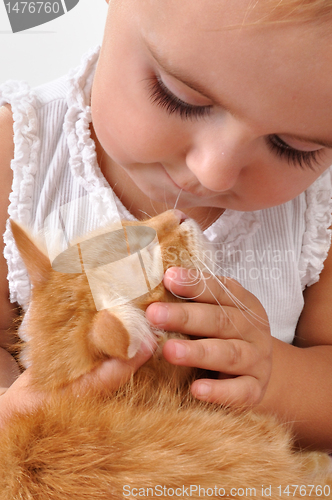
73	86
6	155
20	96
6	132
77	80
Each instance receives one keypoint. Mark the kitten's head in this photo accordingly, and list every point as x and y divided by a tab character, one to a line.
63	325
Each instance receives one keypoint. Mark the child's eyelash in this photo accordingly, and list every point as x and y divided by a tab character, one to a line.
303	159
163	97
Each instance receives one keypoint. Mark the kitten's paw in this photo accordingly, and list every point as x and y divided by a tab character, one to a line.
109	336
119	333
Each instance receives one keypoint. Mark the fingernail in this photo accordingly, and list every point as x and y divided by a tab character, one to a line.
177	274
203	389
171	273
181	350
160	316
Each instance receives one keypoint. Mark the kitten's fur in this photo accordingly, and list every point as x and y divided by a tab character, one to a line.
151	432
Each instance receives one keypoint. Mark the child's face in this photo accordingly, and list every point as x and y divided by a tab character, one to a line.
254	132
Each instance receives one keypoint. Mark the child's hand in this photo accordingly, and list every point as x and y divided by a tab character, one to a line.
112	373
22	396
19	397
238	343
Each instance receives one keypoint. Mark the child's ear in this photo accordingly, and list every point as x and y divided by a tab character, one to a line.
109	336
36	262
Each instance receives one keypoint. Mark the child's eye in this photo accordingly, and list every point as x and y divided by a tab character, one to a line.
303	159
163	97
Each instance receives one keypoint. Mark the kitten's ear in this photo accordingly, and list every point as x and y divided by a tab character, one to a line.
109	335
36	262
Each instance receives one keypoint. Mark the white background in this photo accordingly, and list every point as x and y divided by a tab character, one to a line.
48	51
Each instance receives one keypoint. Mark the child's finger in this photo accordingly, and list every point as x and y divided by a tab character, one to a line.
240	391
234	357
206	320
112	373
203	287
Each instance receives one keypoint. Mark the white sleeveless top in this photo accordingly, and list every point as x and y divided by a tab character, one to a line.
274	253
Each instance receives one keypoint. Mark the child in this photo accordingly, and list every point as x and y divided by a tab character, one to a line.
223	109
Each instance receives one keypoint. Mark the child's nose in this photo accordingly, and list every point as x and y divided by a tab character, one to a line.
217	160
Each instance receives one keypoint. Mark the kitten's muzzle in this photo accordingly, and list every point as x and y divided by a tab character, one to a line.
180	215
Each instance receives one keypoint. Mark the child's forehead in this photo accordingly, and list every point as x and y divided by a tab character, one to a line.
212	14
259	69
175	26
226	13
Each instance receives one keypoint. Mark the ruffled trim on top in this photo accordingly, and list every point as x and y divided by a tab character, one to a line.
233	227
317	235
24	165
83	158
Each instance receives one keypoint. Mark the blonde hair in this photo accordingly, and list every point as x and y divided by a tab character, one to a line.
296	10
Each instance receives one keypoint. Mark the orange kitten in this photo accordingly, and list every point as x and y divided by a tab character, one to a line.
150	438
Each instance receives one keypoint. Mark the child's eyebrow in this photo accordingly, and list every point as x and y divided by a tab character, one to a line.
194	85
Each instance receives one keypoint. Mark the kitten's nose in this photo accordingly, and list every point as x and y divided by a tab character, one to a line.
181	216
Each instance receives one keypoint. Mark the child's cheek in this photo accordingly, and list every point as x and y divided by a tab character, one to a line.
129	128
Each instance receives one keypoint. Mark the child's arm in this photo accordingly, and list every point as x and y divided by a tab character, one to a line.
14	390
305	387
240	348
8	368
21	394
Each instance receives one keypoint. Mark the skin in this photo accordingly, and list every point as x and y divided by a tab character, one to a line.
222	159
257	87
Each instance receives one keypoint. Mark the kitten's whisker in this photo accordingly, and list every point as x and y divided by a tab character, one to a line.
223	309
120	195
190	283
242	307
165	199
177	199
153	207
204	220
220	268
226	272
236	301
145	213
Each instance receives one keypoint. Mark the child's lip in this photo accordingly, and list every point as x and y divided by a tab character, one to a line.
172	180
195	192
